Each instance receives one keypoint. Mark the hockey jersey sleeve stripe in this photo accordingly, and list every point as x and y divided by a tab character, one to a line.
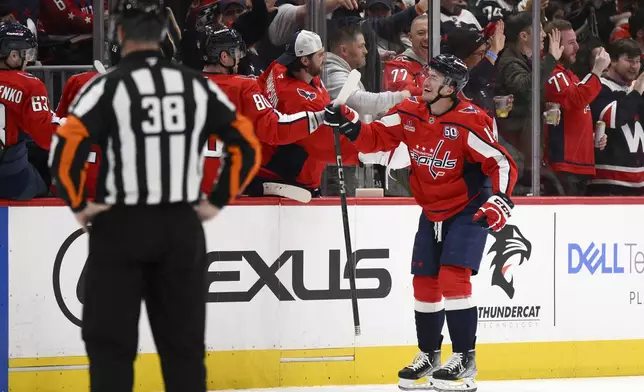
609	113
587	78
391	120
488	151
620	168
290	118
88	100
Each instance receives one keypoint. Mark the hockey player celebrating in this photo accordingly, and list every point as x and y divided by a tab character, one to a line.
454	154
222	48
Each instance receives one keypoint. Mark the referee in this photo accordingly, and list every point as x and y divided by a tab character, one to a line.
151	119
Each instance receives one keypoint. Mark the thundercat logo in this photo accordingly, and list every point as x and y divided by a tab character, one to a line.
510	247
432	159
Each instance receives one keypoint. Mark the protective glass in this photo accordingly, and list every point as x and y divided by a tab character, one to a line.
29	55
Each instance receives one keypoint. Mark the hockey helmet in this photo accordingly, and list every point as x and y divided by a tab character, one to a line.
216	39
453	69
14	36
134	8
141	10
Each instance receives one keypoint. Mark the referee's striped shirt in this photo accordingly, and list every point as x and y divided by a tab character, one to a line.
151	119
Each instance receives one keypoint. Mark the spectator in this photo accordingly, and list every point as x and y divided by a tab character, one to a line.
454	14
383	9
490	11
231	10
620	166
622	29
289	17
62	17
405	72
636	28
347	52
480	57
388	29
555	10
514	77
570	145
252	26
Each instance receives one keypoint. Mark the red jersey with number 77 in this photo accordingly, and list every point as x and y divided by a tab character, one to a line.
570	144
24	107
404	73
452	155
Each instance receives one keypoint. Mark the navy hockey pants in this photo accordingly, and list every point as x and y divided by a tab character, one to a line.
461	244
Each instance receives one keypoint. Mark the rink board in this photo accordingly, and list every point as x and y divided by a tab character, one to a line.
558	295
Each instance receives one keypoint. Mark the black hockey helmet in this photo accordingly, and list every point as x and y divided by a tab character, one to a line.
14	36
215	39
138	9
453	69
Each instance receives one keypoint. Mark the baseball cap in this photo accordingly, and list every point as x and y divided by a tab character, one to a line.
386	3
223	4
304	43
462	42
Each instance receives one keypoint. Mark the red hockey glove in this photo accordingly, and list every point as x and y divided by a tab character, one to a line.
494	214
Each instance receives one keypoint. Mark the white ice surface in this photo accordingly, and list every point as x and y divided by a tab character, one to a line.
611	384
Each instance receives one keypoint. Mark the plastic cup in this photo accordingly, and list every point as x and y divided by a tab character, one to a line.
502	105
552	114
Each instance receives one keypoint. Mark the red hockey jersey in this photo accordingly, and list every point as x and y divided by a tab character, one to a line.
289	95
404	72
71	89
24	106
271	127
452	155
620	32
68	16
570	144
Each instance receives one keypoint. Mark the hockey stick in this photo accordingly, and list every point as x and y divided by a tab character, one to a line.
100	68
288	191
349	87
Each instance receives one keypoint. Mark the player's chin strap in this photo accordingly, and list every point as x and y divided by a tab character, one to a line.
440	96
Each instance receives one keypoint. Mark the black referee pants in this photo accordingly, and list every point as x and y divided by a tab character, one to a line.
156	254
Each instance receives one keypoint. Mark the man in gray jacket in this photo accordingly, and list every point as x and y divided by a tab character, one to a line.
347	51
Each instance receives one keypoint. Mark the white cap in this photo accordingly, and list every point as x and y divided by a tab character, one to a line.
304	43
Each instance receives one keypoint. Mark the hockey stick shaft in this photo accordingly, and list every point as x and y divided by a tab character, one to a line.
347	233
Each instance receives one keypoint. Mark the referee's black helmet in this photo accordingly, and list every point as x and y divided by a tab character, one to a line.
140	20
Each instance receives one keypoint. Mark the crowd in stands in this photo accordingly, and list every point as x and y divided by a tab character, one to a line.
592	142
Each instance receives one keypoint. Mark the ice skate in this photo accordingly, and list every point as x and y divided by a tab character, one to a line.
423	365
457	374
